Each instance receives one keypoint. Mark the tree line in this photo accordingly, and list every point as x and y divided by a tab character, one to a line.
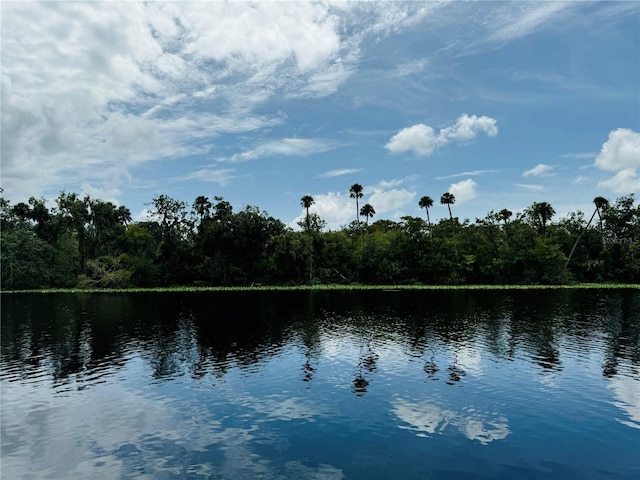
89	243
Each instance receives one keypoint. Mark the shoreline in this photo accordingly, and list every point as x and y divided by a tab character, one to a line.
333	287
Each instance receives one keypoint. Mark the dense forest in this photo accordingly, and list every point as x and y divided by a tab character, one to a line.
88	243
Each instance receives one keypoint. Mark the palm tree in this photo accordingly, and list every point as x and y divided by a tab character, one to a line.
356	192
367	211
542	213
600	202
306	202
504	215
426	203
202	206
448	199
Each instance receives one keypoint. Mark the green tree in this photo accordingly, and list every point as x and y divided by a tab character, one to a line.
26	260
356	192
426	203
202	207
600	203
621	238
367	211
106	234
306	202
505	215
75	211
448	199
540	214
175	253
171	214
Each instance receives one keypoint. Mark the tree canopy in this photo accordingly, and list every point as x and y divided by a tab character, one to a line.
87	242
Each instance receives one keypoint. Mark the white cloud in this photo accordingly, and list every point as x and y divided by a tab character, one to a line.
144	215
540	170
472	173
621	154
527	186
335	208
90	84
579	179
384	201
623	182
464	190
422	139
219	176
409	68
286	147
521	19
579	156
467	127
339	172
339	209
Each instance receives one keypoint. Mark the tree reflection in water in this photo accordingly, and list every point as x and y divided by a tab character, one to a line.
201	334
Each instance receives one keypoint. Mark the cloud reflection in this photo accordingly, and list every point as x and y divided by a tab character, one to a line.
427	419
282	407
143	437
627	391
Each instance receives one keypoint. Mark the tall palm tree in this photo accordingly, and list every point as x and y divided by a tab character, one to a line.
356	192
426	203
504	215
202	206
448	199
306	202
367	211
600	202
543	212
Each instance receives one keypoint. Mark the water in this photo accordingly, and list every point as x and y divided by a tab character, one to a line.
321	385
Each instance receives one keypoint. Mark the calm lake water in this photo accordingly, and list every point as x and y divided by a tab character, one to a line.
322	385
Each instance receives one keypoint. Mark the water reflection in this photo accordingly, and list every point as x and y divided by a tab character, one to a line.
246	385
429	419
627	392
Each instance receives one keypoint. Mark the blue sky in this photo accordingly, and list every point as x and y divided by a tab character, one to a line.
500	103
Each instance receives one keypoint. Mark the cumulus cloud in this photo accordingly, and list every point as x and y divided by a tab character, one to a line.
335	208
623	182
339	209
422	139
621	154
540	170
390	200
88	84
464	190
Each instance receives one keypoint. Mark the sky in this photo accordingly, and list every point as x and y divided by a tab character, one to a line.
500	103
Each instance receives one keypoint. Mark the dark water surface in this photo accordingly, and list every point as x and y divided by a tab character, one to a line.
321	385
